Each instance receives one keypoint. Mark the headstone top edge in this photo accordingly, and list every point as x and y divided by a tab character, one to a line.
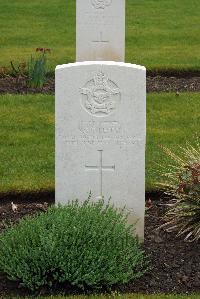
106	63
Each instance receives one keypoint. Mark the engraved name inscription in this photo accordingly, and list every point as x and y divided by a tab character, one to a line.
104	127
98	19
99	133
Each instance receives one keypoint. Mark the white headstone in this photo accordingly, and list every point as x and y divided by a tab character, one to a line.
100	134
100	30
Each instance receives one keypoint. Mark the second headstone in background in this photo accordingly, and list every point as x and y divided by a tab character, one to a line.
100	30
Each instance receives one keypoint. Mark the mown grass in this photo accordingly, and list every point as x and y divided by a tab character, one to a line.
159	34
172	121
27	142
123	296
27	137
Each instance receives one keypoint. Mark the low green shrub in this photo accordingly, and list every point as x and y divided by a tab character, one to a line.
84	245
182	183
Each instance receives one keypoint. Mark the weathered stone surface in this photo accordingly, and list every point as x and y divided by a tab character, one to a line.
100	134
100	30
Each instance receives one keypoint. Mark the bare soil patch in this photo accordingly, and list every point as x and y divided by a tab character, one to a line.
172	84
155	83
175	264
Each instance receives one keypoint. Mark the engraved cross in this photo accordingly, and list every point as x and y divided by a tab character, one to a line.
100	168
101	40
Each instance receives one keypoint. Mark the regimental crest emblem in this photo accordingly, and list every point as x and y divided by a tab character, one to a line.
100	95
101	4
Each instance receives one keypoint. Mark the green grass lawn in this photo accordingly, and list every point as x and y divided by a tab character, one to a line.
123	296
172	121
27	142
159	34
27	137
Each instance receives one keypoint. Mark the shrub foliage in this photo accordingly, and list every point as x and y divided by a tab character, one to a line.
84	245
182	183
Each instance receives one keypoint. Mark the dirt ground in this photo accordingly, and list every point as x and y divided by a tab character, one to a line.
155	83
175	263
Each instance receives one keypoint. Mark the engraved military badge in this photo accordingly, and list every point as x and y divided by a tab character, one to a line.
101	4
100	95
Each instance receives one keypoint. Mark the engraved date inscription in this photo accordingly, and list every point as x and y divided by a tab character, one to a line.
119	140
